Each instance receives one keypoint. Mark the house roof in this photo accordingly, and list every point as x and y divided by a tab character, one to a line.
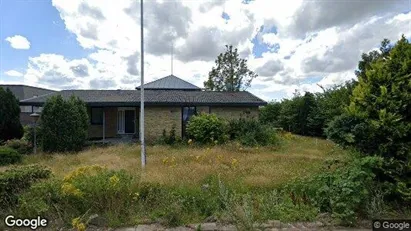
25	92
170	82
154	97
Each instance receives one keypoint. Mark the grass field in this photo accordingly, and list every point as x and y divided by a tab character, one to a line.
190	165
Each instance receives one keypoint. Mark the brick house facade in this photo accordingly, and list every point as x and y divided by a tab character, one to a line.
169	102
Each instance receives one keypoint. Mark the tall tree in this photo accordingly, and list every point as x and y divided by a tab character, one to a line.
379	116
64	124
230	73
10	126
372	57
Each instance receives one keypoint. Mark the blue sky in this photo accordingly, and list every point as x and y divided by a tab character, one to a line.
40	22
94	44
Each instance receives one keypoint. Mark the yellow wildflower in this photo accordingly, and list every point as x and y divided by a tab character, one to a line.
114	180
136	196
75	222
81	227
69	189
234	162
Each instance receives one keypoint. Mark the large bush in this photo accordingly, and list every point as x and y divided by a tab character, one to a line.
342	191
21	146
29	134
16	180
251	132
85	191
10	126
9	156
207	128
380	101
64	124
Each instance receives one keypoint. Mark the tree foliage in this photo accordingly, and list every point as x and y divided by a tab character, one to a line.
380	105
64	124
310	113
10	126
230	73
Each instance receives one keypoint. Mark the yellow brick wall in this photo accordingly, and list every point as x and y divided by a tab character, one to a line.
96	131
235	112
203	109
159	118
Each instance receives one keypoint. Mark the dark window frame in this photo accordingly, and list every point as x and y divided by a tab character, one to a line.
91	116
183	125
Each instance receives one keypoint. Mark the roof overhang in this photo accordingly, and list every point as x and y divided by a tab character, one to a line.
137	104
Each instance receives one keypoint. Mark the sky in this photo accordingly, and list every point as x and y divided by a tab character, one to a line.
95	44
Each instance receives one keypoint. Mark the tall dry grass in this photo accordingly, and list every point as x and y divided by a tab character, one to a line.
190	165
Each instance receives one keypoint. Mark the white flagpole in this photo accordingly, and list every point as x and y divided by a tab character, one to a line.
143	146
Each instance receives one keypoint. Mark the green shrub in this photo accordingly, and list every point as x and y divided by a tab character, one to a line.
10	126
381	101
29	134
9	156
64	124
16	180
207	128
169	139
251	132
21	146
343	192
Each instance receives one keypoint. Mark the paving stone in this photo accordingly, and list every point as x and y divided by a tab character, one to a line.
209	226
275	223
149	228
227	228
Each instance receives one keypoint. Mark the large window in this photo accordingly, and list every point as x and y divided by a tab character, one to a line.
96	115
187	113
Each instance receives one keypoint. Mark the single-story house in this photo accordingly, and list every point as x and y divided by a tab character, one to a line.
169	101
25	92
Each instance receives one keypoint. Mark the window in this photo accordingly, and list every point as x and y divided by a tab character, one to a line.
187	113
96	115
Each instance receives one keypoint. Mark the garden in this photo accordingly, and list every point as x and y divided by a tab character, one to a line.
340	157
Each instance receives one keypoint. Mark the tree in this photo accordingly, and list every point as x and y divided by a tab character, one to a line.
231	72
380	102
10	126
64	124
372	57
270	113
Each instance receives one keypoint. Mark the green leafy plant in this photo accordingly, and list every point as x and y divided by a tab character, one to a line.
207	128
378	119
171	138
21	146
16	180
251	132
341	191
68	134
29	134
10	126
9	156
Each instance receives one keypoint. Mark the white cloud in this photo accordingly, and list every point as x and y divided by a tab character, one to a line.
18	42
320	42
13	73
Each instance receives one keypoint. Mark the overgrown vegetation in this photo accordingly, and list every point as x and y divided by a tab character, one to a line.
64	124
10	126
9	156
16	180
378	120
21	146
207	128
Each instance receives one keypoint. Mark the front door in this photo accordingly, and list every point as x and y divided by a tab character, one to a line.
126	117
129	121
